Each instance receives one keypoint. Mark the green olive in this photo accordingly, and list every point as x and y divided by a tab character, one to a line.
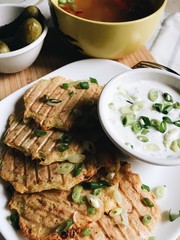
27	33
4	47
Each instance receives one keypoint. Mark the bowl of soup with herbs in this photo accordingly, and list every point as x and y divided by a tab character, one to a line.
107	28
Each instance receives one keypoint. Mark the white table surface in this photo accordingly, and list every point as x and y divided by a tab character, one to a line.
172	7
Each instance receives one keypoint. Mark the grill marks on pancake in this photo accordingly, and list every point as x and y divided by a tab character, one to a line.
55	206
60	116
29	176
20	136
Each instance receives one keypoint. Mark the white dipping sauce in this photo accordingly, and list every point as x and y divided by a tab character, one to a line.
158	144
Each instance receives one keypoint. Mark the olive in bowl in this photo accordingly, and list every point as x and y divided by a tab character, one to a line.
22	33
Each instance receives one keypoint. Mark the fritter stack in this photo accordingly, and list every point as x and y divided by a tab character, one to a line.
67	176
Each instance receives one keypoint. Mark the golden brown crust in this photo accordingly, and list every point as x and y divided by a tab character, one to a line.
76	107
41	213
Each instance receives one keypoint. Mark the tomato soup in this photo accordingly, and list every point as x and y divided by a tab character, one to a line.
110	10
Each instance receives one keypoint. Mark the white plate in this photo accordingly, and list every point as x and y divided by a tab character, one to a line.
102	70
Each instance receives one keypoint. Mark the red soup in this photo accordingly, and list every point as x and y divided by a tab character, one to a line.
110	10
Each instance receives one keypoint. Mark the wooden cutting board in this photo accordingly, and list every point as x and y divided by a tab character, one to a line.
53	56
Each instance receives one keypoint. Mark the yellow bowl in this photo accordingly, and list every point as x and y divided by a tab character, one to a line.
111	40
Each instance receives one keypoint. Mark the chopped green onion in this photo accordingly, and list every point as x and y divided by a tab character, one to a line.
173	216
39	133
142	138
62	147
62	1
159	191
93	200
14	219
64	226
97	191
136	127
82	200
167	119
176	105
147	202
84	85
167	109
77	170
93	80
153	95
145	187
65	168
91	210
144	131
115	212
128	119
86	232
158	107
177	123
137	106
65	138
155	123
146	219
76	194
95	185
145	122
50	101
65	86
167	97
162	127
175	145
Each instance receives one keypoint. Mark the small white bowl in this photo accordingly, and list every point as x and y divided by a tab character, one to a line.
117	98
22	58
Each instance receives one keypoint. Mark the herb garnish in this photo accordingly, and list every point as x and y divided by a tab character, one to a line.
50	101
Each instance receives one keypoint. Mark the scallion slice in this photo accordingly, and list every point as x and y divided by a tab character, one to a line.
145	187
65	86
62	147
76	194
91	210
95	185
77	170
86	232
128	119
173	216
159	191
66	138
146	219
64	226
65	168
153	95
167	119
39	133
177	123
84	85
167	97
142	138
147	202
14	219
167	109
93	80
158	107
145	122
136	127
